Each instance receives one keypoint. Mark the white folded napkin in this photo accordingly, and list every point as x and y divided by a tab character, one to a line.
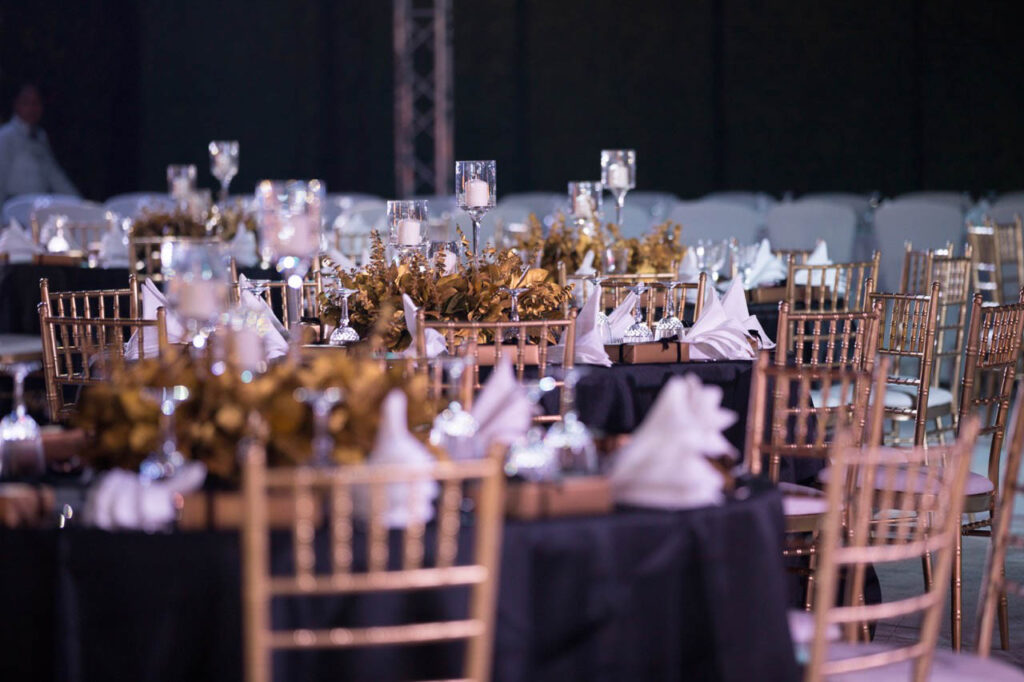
17	243
620	319
735	305
114	250
586	269
152	298
503	412
589	346
275	336
404	503
340	260
688	270
765	268
716	335
242	247
664	465
819	256
435	343
122	500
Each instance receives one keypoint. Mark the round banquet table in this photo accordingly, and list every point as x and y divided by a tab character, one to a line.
635	595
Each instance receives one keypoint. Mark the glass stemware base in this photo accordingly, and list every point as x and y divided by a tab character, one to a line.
21	443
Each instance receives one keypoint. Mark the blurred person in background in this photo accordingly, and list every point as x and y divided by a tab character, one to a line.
27	164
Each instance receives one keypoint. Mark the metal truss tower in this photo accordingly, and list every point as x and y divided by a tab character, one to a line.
424	117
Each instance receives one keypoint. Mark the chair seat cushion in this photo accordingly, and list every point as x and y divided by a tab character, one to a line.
802	500
894	399
801	627
976	483
946	666
937	395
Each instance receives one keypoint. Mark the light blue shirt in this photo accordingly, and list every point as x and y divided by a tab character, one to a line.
27	165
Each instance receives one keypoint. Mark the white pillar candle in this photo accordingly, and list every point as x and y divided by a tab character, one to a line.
582	206
296	237
248	349
180	188
408	231
199	299
451	261
478	193
618	176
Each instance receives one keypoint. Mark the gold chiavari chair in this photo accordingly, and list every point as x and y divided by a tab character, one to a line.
785	420
907	327
145	253
276	295
83	331
834	287
421	563
998	262
917	274
534	339
653	299
993	350
995	586
855	535
830	339
798	256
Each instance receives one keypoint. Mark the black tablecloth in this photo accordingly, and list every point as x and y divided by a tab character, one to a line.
19	289
638	595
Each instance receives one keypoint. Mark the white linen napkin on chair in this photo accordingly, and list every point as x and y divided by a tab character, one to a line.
152	298
586	269
405	503
688	270
503	412
620	319
434	340
17	243
589	347
242	248
114	250
275	336
122	500
766	267
664	465
735	305
819	256
716	335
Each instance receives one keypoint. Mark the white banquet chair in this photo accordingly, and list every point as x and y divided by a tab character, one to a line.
20	207
759	201
1007	207
926	224
341	205
132	205
858	203
716	219
636	220
87	221
800	224
656	204
543	204
960	200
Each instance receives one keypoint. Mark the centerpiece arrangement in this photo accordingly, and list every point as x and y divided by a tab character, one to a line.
123	422
443	290
223	221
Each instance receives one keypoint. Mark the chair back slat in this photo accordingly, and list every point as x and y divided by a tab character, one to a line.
839	287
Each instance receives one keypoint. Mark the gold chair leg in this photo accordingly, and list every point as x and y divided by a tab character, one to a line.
940	431
812	566
1004	612
956	596
926	570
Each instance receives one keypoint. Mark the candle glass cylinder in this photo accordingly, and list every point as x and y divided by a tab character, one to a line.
407	224
585	205
181	181
476	192
618	175
197	282
224	163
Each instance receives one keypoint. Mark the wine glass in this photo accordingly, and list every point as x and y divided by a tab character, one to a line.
21	444
617	260
181	182
638	332
406	223
447	253
224	163
454	427
344	334
570	438
321	402
168	458
618	175
585	205
475	191
717	253
669	325
197	281
514	294
530	457
289	217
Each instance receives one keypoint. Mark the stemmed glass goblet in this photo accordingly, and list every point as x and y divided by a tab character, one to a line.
321	402
181	182
618	175
168	458
475	191
455	426
197	284
344	334
21	444
570	438
531	457
224	163
669	325
638	332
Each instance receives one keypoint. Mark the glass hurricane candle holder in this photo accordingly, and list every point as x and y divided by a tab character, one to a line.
476	192
198	284
618	175
407	225
224	163
585	204
288	213
181	181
